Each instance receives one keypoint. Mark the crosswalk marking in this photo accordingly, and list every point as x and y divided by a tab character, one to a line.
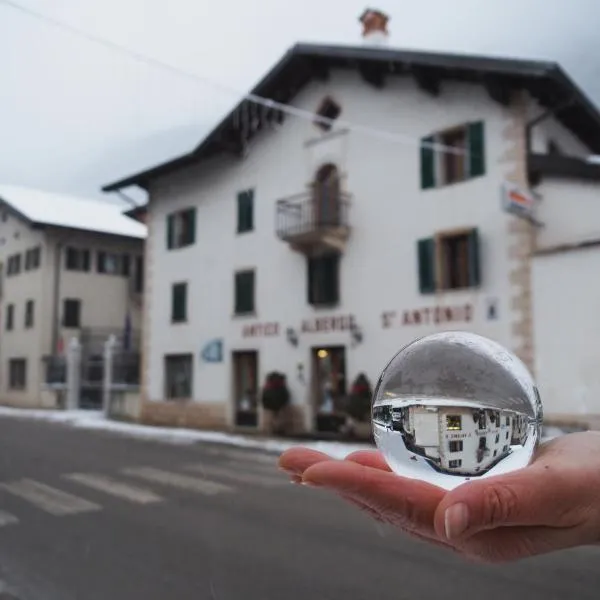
237	476
115	488
49	499
7	519
245	456
177	480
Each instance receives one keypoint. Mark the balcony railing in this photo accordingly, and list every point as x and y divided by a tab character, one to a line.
313	217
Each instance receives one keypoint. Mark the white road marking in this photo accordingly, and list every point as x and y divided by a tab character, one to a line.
115	488
49	499
7	519
250	478
177	480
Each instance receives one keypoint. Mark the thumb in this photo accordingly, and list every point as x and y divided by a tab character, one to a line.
534	496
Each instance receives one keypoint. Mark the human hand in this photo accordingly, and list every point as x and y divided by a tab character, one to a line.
552	504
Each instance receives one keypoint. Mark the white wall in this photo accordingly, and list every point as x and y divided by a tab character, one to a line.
566	302
17	237
379	269
569	210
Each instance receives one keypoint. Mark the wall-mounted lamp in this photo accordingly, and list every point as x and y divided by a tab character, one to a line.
356	334
292	336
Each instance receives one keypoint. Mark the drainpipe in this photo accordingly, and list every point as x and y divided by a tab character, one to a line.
545	115
58	254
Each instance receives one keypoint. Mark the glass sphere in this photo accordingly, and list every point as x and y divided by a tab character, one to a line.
453	407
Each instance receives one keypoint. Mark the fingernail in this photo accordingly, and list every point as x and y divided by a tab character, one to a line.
296	480
309	484
456	520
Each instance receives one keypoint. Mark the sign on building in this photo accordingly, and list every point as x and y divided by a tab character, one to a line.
213	351
518	202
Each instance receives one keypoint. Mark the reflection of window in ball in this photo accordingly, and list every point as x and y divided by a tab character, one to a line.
454	405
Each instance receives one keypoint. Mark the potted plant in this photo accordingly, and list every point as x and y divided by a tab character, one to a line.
359	400
275	393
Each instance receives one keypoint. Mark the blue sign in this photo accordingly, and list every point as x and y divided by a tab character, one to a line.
213	351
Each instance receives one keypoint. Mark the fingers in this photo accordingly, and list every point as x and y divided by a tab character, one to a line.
296	460
405	503
534	496
369	458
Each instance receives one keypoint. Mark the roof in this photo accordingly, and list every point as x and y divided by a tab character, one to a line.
546	82
59	210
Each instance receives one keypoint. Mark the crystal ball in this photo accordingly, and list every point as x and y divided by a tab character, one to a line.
453	407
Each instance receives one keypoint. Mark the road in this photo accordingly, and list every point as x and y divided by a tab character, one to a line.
96	516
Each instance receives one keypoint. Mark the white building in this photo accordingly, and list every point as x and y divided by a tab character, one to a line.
376	240
68	268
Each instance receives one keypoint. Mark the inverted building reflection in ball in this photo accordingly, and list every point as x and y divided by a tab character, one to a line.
455	406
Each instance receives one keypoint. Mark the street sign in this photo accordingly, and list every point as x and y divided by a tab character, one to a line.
518	202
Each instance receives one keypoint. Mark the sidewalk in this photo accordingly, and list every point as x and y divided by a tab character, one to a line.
95	420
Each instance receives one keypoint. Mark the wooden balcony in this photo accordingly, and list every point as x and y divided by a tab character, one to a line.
312	223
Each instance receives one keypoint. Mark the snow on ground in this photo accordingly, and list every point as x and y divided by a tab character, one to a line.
95	420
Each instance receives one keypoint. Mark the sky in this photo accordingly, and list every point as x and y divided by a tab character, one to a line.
75	115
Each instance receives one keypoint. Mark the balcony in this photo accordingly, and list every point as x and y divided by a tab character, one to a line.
312	222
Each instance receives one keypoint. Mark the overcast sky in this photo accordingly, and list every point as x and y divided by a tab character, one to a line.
75	115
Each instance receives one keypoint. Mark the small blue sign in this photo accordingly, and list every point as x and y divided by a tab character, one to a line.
213	351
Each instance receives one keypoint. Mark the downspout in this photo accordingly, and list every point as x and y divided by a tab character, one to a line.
542	117
58	254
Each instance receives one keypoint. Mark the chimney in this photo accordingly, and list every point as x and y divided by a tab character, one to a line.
374	24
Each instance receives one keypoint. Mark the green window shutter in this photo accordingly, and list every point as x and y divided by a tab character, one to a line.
474	260
179	302
170	232
426	265
331	280
245	213
191	226
311	267
427	163
244	292
476	149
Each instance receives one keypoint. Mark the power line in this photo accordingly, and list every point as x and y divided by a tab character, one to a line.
266	102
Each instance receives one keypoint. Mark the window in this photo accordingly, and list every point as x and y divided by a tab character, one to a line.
455	446
17	373
449	261
10	317
463	159
179	303
181	229
453	422
323	280
244	293
481	421
455	464
33	258
504	448
29	314
329	109
245	211
508	420
72	313
77	259
111	263
14	265
138	284
178	376
497	438
506	436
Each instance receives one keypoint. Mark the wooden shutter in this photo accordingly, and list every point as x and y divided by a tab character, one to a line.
474	260
101	262
310	279
245	216
170	232
330	272
179	302
191	226
476	149
427	163
244	292
426	265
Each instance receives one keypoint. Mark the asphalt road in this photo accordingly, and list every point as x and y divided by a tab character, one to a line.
95	516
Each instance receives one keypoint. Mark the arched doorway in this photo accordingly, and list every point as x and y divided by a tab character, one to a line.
326	197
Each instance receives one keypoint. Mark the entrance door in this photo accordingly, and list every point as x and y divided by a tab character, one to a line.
329	387
245	388
327	196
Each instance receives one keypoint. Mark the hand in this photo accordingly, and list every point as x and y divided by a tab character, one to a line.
552	504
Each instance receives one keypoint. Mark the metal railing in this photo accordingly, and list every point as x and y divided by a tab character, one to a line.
311	212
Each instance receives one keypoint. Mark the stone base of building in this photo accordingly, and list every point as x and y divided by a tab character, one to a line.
192	415
573	422
46	399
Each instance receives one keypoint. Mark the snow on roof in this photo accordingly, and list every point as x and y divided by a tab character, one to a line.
60	210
